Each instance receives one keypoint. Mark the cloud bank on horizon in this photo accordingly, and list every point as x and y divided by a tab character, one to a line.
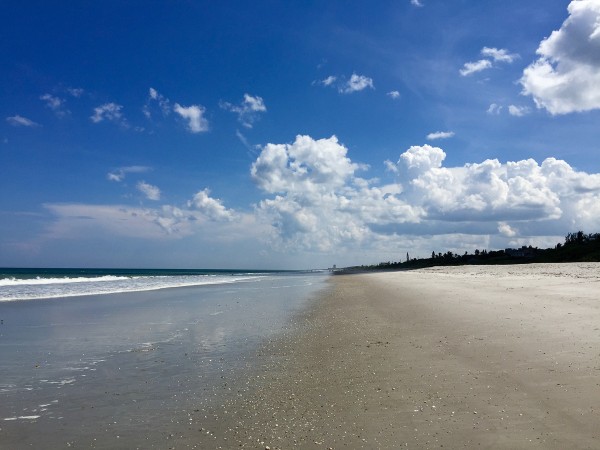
316	200
293	201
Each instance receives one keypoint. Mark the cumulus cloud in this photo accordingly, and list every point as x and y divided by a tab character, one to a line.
156	98
566	76
506	230
492	191
120	173
494	109
110	112
393	94
316	200
56	104
420	159
440	135
159	105
473	67
194	114
20	121
212	208
306	164
329	80
248	110
150	192
356	83
491	54
518	111
499	55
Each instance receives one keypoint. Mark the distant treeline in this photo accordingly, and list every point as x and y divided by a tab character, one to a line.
578	247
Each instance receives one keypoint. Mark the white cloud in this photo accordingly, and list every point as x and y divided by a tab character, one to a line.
120	173
329	80
56	104
356	83
75	219
253	104
440	135
243	139
494	109
393	94
495	54
252	149
319	201
306	164
566	76
416	3
518	111
499	55
248	110
109	111
316	200
420	159
151	192
20	121
491	191
75	92
506	230
113	176
154	97
390	166
473	67
212	208
194	115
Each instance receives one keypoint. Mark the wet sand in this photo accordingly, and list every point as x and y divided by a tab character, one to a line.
466	357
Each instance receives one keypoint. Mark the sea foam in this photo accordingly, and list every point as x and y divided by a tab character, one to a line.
44	288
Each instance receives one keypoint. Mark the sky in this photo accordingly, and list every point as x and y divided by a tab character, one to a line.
293	135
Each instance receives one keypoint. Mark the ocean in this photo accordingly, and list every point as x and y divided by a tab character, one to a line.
30	284
111	358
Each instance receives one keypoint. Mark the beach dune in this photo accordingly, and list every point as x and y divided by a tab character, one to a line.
461	357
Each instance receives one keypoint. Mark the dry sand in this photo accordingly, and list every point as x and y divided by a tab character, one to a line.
465	357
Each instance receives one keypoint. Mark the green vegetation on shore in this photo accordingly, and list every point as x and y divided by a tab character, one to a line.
578	247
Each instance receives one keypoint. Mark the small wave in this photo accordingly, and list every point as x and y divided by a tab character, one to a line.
66	287
63	280
22	418
61	382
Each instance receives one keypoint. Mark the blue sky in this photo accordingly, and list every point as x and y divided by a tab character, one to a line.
281	134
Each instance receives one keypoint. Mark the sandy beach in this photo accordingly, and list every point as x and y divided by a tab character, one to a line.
464	357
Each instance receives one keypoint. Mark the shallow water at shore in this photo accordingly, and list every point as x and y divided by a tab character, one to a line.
128	370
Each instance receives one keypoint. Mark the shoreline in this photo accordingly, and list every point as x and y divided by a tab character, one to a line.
487	356
133	370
